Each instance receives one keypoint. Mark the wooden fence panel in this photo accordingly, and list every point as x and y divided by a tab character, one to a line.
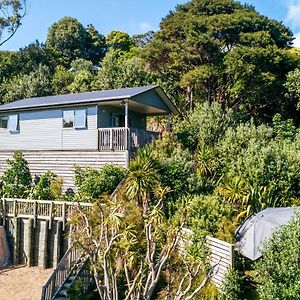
221	254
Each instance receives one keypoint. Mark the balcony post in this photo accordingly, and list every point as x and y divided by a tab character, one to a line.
127	133
126	114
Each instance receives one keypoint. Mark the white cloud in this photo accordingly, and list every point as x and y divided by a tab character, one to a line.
293	14
145	26
297	40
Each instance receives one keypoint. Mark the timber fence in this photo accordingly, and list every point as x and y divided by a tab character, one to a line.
40	209
221	255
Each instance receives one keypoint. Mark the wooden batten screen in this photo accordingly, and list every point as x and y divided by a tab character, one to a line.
221	255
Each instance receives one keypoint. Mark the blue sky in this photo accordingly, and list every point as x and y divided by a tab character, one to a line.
132	16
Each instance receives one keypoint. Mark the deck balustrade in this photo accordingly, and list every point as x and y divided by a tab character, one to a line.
40	209
116	138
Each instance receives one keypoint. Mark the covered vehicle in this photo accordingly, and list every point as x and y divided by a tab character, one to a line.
259	227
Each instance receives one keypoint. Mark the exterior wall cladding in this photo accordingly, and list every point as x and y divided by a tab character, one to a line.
43	130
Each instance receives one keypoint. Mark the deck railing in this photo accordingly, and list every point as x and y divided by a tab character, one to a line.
40	209
140	137
113	139
68	262
116	138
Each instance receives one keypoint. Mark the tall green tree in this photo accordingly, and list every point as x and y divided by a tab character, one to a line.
224	51
11	14
119	40
66	39
34	84
292	85
95	44
119	73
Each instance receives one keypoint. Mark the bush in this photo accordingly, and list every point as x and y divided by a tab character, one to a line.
94	183
231	289
209	215
175	167
205	125
278	270
16	180
269	167
47	187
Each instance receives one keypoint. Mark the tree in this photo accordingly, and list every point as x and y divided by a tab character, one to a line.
35	84
47	187
29	58
11	14
61	80
80	64
82	82
119	40
16	180
141	40
293	87
223	51
132	244
95	45
93	184
115	73
66	39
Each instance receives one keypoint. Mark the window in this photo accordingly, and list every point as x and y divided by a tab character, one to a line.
80	118
13	123
68	118
74	118
119	121
3	122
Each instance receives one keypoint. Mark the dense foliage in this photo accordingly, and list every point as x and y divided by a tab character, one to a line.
278	270
94	183
47	187
234	148
16	180
216	51
223	51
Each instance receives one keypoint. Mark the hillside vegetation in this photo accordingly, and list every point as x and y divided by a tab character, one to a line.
234	148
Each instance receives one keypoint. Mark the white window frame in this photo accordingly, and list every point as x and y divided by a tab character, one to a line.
63	119
76	114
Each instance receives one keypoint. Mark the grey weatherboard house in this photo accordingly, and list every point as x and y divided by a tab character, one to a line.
87	129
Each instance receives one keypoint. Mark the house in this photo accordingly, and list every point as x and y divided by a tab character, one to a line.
87	129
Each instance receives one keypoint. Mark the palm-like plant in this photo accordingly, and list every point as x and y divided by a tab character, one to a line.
143	176
234	191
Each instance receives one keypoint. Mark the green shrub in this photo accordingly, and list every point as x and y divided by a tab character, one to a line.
231	289
269	167
16	180
278	270
204	126
210	215
94	183
175	168
47	187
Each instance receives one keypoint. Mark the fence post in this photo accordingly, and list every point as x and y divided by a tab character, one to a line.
16	237
50	215
34	213
64	215
231	256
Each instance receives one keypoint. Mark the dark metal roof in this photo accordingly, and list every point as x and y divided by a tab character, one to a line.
84	98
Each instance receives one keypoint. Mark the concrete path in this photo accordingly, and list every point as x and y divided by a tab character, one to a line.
22	283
